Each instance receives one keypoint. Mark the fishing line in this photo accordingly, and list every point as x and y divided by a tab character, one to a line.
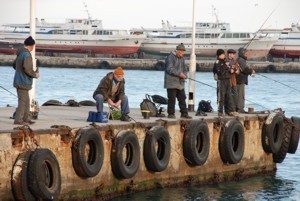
234	92
278	82
8	91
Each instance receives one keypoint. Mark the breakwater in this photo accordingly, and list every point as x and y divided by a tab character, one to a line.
145	64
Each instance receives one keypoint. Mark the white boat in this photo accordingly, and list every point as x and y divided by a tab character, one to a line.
73	36
288	44
209	37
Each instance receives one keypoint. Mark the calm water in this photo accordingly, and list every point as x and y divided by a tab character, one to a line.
79	84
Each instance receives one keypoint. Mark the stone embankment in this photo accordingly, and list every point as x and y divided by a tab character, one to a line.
144	64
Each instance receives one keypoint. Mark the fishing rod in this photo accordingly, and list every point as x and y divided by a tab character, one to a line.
234	92
278	82
8	91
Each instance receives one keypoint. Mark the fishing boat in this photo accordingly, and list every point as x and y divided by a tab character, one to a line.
209	37
74	36
288	44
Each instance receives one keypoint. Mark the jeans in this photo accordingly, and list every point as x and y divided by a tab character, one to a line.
100	100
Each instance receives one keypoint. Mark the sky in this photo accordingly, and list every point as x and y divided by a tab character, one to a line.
243	15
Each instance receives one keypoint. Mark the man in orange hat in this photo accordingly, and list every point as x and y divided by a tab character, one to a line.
111	90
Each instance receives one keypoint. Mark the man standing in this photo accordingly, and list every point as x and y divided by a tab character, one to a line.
234	66
175	75
111	89
23	81
242	79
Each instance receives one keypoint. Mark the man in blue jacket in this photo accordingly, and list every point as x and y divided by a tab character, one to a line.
23	81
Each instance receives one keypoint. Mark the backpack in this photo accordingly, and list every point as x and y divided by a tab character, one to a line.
147	104
205	106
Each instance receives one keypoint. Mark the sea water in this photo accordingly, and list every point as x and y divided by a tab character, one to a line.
262	93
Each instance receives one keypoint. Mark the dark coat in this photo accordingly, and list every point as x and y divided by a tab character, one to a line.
245	70
24	69
105	88
221	69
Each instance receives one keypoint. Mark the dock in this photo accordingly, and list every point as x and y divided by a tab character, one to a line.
79	160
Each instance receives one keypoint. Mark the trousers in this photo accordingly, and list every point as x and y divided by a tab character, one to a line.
180	95
100	100
23	109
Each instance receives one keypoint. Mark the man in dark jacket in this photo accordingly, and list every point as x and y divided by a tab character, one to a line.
242	79
175	75
23	81
111	90
224	92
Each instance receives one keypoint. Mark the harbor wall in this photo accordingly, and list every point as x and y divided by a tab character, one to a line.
144	64
105	185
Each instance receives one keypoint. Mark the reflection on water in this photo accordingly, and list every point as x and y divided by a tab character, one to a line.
63	84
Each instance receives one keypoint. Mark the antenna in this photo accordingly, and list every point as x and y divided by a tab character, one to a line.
86	10
214	13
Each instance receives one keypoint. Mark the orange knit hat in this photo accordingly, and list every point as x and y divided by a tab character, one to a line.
119	71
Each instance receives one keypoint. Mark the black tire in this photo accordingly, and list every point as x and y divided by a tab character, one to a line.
281	154
44	178
104	65
160	66
157	149
87	103
125	167
272	133
19	178
295	135
270	69
232	142
87	152
196	143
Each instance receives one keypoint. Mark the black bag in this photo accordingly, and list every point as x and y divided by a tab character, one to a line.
159	99
147	104
205	106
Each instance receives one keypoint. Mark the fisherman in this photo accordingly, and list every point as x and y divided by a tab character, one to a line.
233	65
224	90
175	75
242	78
111	89
24	75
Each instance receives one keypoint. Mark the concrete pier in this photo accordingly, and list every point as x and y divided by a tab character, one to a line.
57	127
145	64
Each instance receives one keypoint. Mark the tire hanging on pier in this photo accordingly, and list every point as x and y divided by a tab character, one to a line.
125	155
44	178
272	133
232	142
287	129
295	135
196	143
19	178
87	152
157	149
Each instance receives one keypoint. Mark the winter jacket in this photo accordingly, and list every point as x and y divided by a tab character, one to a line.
221	69
105	88
174	66
245	70
24	69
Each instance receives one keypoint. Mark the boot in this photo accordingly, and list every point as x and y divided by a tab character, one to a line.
100	117
125	117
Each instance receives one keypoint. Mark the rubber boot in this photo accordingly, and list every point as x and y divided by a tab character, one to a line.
101	117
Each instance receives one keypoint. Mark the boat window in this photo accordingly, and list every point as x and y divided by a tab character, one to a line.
207	35
248	35
243	35
236	35
227	35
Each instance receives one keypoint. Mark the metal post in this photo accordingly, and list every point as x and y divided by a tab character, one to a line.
192	65
32	33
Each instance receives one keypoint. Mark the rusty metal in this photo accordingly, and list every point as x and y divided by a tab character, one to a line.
247	124
64	132
261	120
26	135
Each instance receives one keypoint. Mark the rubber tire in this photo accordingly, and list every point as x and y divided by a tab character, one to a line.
280	156
232	142
87	166
295	135
196	143
37	175
128	168
19	178
157	160
270	143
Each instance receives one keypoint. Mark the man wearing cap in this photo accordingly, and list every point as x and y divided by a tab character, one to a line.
242	78
235	67
111	90
175	75
24	75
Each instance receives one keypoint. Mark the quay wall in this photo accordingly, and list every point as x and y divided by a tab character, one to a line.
144	64
105	185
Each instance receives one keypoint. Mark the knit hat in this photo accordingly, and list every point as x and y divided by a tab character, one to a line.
119	71
29	41
242	51
231	51
219	52
180	47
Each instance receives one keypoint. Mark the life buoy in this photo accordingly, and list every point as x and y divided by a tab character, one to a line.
232	142
19	178
272	133
288	129
295	135
196	143
125	155
87	163
44	178
157	149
